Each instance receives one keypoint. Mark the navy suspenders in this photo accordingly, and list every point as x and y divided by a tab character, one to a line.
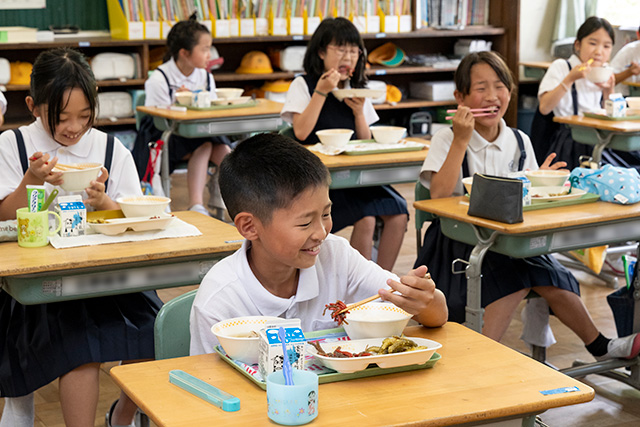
171	89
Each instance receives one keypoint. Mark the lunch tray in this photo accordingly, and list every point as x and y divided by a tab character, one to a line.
586	198
635	115
376	149
247	104
332	376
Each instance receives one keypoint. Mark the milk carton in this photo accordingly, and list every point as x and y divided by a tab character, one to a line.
271	354
616	106
526	187
73	215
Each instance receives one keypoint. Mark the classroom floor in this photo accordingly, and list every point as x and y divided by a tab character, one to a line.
615	404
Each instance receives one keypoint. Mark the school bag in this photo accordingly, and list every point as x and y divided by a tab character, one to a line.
22	152
611	183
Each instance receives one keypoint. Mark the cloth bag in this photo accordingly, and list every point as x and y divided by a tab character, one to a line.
622	305
611	183
496	198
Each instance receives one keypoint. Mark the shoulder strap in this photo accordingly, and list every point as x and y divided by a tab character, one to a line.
108	158
167	80
574	93
523	152
208	80
22	151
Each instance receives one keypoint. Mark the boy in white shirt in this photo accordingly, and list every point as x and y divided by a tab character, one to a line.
277	192
626	64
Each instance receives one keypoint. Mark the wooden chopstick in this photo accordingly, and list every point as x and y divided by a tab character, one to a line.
359	303
62	166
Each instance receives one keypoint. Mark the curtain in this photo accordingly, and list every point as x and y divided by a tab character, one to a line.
570	14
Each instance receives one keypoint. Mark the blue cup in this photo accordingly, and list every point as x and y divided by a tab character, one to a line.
292	405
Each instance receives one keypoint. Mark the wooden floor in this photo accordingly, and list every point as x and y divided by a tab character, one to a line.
615	404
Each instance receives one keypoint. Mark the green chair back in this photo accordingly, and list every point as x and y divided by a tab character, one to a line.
171	329
421	193
288	132
138	100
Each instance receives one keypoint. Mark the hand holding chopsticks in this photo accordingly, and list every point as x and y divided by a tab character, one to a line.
476	112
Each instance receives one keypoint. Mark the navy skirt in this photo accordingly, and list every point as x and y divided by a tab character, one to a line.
352	204
39	343
501	275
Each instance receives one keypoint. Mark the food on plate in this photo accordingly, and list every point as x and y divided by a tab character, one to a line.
390	345
97	221
337	352
562	193
335	308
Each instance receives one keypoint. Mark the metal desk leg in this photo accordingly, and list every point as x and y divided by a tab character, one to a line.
164	165
473	272
603	141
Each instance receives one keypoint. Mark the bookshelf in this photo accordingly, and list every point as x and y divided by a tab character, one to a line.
502	31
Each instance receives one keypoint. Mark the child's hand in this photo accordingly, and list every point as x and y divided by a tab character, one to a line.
97	197
547	163
634	68
356	104
328	81
463	124
183	88
414	293
578	72
609	84
40	167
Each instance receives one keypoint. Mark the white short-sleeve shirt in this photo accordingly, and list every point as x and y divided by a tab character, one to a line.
123	176
230	289
3	103
157	92
629	53
498	158
589	95
298	98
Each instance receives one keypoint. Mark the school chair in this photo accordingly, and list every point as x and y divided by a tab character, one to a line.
171	330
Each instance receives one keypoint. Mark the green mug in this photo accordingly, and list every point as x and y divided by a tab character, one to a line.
33	227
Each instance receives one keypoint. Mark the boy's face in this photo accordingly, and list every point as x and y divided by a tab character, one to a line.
486	90
293	237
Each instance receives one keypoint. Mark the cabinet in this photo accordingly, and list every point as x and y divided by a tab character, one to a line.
502	31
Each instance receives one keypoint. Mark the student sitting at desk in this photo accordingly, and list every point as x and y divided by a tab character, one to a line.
484	144
626	64
290	266
3	107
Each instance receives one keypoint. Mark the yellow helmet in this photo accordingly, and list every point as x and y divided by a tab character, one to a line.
278	86
20	73
255	62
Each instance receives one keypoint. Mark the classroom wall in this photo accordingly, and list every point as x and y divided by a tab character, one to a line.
86	14
536	28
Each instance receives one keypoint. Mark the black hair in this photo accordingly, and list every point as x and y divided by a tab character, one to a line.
341	32
183	35
593	24
267	172
462	76
55	72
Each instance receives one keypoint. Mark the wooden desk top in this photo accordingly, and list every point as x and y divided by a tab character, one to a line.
344	161
17	260
264	107
625	126
476	379
628	83
537	64
536	220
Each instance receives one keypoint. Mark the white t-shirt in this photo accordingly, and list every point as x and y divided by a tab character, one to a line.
629	53
298	98
3	103
230	289
589	95
157	92
493	158
123	176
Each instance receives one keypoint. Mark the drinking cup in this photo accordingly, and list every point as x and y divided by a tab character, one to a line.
292	405
33	227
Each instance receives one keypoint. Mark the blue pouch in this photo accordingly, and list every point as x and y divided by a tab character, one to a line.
611	183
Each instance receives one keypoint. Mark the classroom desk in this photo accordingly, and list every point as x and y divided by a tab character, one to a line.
634	88
264	117
535	69
374	169
46	274
476	381
621	135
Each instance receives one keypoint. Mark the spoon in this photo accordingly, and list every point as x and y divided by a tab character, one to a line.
286	365
47	202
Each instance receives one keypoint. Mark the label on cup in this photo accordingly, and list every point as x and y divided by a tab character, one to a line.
35	196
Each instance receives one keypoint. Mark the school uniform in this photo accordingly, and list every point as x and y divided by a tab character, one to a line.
352	204
584	96
3	104
230	289
629	53
39	343
160	90
501	275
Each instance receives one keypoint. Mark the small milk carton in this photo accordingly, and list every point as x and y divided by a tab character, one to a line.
73	215
616	106
271	354
526	187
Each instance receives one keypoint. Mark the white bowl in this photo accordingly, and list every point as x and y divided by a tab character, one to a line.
229	92
467	182
334	137
138	206
388	134
78	180
633	102
599	74
233	335
375	320
547	178
184	98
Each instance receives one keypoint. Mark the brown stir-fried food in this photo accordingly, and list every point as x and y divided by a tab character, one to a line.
390	345
335	308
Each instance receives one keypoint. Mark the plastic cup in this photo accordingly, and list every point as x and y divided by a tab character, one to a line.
33	227
292	405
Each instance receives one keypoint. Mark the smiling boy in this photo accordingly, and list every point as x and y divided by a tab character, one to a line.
289	266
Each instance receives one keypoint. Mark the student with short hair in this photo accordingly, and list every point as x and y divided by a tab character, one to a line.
3	107
290	266
626	64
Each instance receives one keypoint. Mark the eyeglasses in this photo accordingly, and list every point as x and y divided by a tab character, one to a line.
354	52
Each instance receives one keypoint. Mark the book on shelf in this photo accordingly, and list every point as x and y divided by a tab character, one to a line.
451	14
18	35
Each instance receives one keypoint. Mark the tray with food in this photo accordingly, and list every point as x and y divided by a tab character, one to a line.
630	114
555	193
115	226
226	104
